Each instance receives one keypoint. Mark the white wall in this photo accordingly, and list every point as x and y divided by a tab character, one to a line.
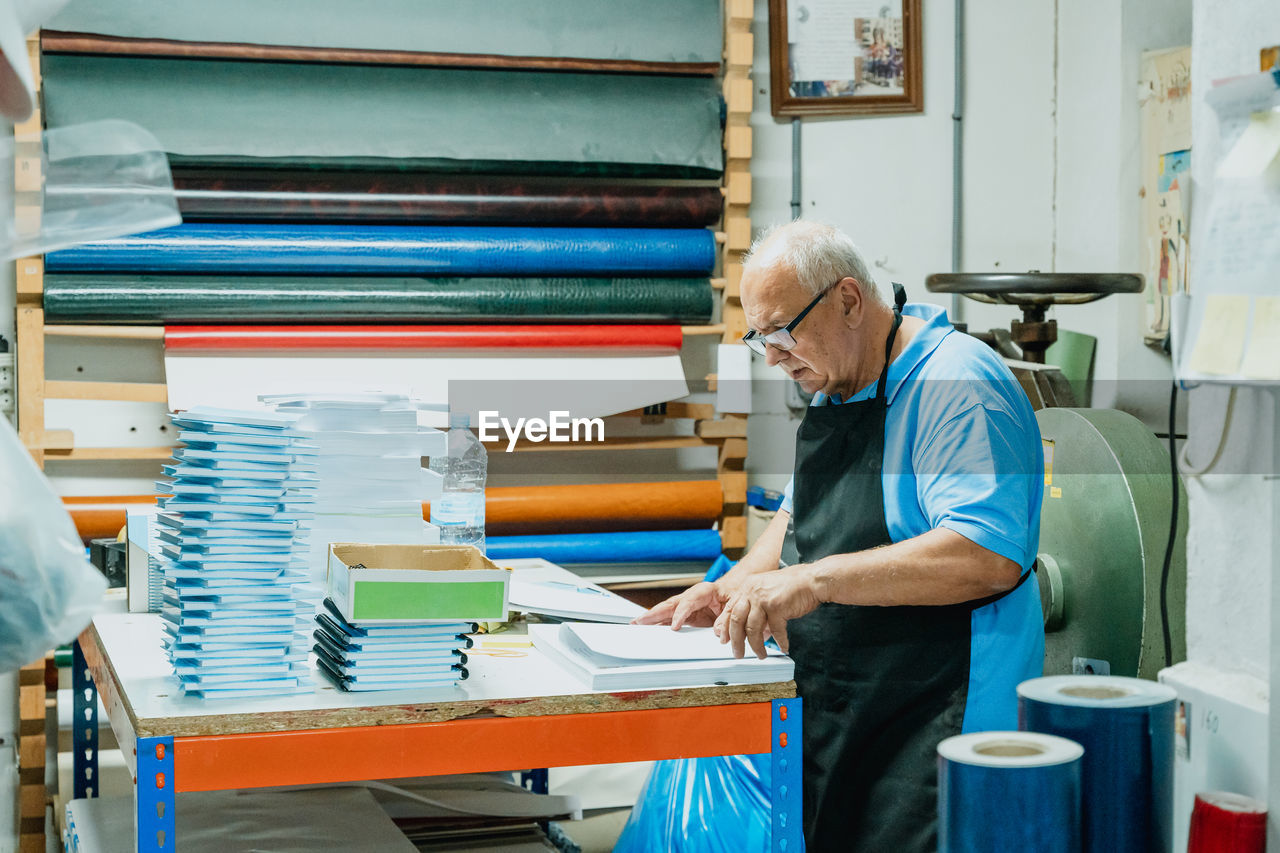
1051	177
886	181
1230	540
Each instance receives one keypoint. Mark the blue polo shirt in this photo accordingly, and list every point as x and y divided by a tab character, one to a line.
963	451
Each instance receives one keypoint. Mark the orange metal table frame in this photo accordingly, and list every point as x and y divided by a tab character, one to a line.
165	765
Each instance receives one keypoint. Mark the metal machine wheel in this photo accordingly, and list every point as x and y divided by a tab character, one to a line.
1103	533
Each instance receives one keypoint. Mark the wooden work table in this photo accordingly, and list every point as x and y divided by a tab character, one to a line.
518	710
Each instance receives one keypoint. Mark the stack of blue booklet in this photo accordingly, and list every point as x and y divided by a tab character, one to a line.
390	657
233	542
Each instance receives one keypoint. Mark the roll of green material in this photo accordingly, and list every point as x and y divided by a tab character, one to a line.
209	110
1073	352
668	31
157	300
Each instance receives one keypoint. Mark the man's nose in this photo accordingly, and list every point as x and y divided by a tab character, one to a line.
773	355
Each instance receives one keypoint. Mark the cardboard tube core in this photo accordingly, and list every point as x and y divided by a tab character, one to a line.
1009	749
1096	692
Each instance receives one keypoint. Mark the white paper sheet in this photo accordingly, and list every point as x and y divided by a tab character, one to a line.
570	599
652	642
524	386
600	672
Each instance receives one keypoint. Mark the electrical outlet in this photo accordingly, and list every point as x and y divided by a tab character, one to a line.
6	376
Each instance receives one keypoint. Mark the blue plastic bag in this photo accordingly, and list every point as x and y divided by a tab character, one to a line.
703	805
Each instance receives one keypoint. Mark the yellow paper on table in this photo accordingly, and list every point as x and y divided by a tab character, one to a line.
1262	358
1221	341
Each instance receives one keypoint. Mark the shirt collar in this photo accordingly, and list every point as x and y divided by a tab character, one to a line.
936	327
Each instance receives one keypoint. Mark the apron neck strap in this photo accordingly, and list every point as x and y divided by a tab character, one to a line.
899	300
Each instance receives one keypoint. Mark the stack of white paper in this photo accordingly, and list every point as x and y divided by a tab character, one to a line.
233	540
371	483
640	657
568	597
390	657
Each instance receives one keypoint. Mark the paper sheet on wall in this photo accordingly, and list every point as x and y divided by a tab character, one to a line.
1256	148
1221	340
1262	357
1165	111
1238	242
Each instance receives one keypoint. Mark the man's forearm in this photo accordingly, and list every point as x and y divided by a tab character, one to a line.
763	556
935	568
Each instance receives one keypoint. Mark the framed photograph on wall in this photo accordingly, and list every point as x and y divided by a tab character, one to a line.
845	57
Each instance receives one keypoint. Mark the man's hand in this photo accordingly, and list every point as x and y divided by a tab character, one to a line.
699	605
761	606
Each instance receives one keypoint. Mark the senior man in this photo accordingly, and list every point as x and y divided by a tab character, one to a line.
915	512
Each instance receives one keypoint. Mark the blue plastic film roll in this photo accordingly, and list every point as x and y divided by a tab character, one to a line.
396	250
648	546
1007	791
1126	728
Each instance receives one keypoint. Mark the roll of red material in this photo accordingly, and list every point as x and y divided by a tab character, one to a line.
639	337
1223	822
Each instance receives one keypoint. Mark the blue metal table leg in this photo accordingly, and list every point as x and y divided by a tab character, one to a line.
537	780
154	797
84	727
787	767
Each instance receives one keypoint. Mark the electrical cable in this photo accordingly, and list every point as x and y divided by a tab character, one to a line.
1173	525
1186	467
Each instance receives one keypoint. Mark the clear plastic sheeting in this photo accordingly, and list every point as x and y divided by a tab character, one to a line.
702	805
83	182
48	589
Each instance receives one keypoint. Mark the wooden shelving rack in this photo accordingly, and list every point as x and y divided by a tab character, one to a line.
726	432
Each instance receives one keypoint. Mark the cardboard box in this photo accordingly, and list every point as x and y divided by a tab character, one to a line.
389	584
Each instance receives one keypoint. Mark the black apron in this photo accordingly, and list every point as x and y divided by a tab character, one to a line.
881	685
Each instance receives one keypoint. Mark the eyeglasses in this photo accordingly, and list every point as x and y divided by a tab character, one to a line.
782	339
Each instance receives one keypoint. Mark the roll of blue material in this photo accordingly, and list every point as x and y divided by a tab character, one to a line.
1126	728
397	250
1005	791
648	546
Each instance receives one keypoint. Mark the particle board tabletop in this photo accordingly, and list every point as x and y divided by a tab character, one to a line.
125	649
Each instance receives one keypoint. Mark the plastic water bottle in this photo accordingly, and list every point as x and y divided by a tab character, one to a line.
459	511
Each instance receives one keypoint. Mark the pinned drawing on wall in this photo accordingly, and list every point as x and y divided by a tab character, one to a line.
1165	106
845	57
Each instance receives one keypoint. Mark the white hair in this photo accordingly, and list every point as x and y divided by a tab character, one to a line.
819	255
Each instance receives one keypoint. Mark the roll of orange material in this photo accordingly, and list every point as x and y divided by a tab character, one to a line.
1223	822
102	516
529	510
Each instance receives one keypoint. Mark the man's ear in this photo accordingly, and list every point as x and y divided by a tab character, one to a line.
851	298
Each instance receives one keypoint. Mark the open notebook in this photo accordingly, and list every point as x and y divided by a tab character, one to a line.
641	657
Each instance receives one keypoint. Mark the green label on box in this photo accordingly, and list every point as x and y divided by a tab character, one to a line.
391	600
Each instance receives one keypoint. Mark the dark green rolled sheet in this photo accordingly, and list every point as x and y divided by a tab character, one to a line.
667	31
175	299
298	112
